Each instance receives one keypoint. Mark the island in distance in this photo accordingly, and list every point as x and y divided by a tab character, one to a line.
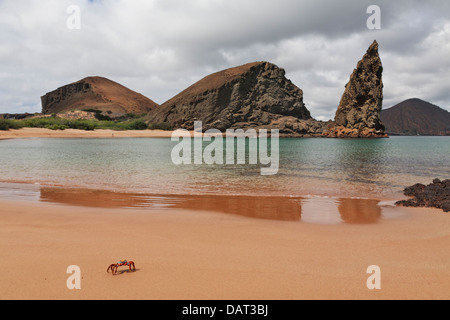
414	117
255	95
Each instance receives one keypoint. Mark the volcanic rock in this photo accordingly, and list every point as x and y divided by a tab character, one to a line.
96	93
254	95
436	194
258	95
358	114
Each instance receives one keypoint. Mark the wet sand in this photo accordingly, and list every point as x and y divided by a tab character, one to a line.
210	247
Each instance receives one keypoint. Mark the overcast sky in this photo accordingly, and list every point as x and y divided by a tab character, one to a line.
160	47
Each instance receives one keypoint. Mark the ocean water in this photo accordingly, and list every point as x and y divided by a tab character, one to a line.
366	168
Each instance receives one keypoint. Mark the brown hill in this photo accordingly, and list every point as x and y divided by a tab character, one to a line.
248	96
96	93
416	117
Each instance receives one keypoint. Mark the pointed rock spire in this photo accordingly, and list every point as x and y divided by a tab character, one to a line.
360	106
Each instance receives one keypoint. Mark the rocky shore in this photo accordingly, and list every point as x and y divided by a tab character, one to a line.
434	195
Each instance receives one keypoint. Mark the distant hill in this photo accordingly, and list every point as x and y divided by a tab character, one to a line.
416	117
96	93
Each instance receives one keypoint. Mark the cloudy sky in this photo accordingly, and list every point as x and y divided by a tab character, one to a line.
160	47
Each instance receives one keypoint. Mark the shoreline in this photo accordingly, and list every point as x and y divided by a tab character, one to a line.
26	133
22	184
29	133
334	209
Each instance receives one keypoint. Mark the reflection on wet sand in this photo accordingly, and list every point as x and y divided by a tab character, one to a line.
337	210
273	208
359	210
312	210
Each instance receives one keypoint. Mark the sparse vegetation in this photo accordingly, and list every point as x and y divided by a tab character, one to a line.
55	123
9	124
57	127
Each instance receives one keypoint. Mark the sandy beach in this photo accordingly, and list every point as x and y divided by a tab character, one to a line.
210	248
74	133
201	254
306	155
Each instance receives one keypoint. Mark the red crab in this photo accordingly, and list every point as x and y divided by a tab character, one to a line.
115	266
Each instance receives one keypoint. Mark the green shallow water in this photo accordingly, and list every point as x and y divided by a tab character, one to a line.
377	168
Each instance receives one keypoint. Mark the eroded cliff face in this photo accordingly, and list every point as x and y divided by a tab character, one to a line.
96	93
249	96
358	114
61	98
258	95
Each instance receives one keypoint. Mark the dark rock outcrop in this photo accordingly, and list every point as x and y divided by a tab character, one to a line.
16	116
358	114
416	117
258	95
96	93
254	95
436	195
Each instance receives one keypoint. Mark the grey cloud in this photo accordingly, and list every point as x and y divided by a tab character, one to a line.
158	47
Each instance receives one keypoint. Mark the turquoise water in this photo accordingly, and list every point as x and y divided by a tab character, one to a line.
378	168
